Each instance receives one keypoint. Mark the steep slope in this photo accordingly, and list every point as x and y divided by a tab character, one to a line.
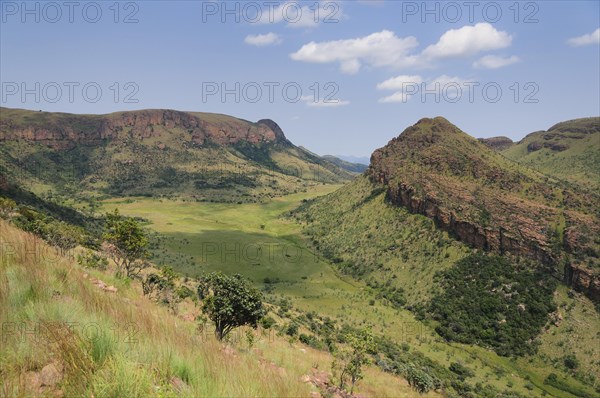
489	202
157	152
388	228
569	150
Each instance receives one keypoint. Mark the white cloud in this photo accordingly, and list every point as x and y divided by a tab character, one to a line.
468	40
398	82
399	96
323	103
584	40
444	80
494	61
385	49
267	39
408	86
378	49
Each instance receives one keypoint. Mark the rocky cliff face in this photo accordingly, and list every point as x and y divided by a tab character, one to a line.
583	280
64	131
486	201
497	143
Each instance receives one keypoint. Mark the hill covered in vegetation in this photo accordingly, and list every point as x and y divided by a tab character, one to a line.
568	150
156	153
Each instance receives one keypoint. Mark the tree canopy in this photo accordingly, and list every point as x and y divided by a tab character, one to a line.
230	302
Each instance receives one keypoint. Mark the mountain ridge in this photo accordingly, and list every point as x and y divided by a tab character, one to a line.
157	152
63	130
488	201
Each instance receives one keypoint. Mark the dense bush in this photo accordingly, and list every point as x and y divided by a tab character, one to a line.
92	260
461	370
488	301
554	381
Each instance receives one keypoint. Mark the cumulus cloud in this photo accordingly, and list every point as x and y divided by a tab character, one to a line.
385	49
267	39
398	82
408	86
467	41
585	40
495	62
399	96
378	49
323	103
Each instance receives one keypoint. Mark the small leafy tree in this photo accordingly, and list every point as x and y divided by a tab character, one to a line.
7	206
350	359
230	302
571	361
161	287
127	243
92	259
62	236
419	379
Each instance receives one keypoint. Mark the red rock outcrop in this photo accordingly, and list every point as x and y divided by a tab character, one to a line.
64	131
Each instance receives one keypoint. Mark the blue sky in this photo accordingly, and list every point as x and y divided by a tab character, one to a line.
354	79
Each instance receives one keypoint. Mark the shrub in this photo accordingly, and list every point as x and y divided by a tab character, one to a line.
419	379
571	361
292	329
92	260
462	371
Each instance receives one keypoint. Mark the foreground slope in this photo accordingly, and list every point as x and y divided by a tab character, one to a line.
69	331
156	153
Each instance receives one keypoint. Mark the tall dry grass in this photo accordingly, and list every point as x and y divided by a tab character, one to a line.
107	344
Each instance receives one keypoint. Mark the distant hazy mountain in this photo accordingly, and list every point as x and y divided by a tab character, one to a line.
354	159
346	165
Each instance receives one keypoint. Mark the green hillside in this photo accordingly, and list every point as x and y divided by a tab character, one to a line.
156	153
416	223
569	150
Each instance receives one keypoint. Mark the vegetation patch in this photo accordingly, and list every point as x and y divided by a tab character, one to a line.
486	300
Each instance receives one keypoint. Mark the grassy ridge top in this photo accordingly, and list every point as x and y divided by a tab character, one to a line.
569	150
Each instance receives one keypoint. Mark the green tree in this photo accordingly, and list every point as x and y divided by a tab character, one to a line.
571	361
62	236
7	206
230	302
127	243
350	358
419	379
